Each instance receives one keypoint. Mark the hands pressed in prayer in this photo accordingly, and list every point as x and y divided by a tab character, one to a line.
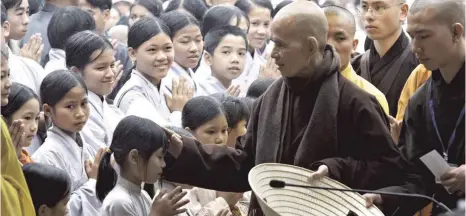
18	135
234	90
92	167
372	199
224	212
117	69
181	94
33	48
395	128
269	70
229	197
454	180
321	172
169	204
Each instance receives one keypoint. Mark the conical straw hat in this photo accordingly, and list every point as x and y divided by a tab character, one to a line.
302	201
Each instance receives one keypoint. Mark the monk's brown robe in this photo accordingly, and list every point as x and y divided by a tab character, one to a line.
304	122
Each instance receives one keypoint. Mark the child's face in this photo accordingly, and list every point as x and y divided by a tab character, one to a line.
5	81
71	112
18	17
229	58
341	38
58	210
153	168
98	74
188	46
214	131
100	17
259	18
234	133
154	57
137	12
29	114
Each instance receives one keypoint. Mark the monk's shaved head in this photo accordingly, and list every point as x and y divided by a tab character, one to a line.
448	11
343	14
304	17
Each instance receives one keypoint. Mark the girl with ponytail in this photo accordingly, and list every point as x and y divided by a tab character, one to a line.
138	146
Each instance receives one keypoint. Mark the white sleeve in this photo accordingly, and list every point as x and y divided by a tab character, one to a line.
83	201
203	202
141	107
118	207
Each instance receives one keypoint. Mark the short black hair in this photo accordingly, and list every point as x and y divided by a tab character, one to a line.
65	23
259	87
247	5
177	20
9	4
215	36
155	7
195	7
4	14
221	15
235	109
101	4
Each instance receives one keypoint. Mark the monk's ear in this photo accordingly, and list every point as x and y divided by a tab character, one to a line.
355	44
404	12
313	45
458	32
208	58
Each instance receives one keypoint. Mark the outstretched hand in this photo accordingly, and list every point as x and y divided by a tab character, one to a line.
321	172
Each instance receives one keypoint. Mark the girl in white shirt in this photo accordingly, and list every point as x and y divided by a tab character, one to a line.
91	56
138	146
188	45
144	94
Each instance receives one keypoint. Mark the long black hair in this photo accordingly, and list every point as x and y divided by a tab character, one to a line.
131	133
57	84
235	109
177	20
19	95
199	111
139	33
195	7
47	185
80	47
153	6
221	15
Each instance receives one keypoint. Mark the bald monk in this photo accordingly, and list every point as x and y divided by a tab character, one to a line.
434	117
312	117
342	29
389	61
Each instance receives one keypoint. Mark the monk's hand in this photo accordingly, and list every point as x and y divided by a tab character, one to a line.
169	204
395	128
234	90
269	69
33	48
18	135
454	180
229	197
224	212
92	167
372	199
181	94
321	172
175	143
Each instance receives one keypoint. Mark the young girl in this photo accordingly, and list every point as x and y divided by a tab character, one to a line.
204	117
216	17
188	45
195	7
144	93
23	105
65	23
49	187
259	13
138	146
144	8
92	57
65	102
237	115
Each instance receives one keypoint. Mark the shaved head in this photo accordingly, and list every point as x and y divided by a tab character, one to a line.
343	14
448	11
307	18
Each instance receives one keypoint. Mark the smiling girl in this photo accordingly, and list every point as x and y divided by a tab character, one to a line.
91	56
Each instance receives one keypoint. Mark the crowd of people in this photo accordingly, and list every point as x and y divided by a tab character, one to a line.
144	107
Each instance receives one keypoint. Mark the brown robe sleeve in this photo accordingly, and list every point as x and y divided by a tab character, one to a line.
216	167
369	158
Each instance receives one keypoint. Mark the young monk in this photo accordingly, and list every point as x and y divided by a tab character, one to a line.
389	61
434	118
311	117
342	28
